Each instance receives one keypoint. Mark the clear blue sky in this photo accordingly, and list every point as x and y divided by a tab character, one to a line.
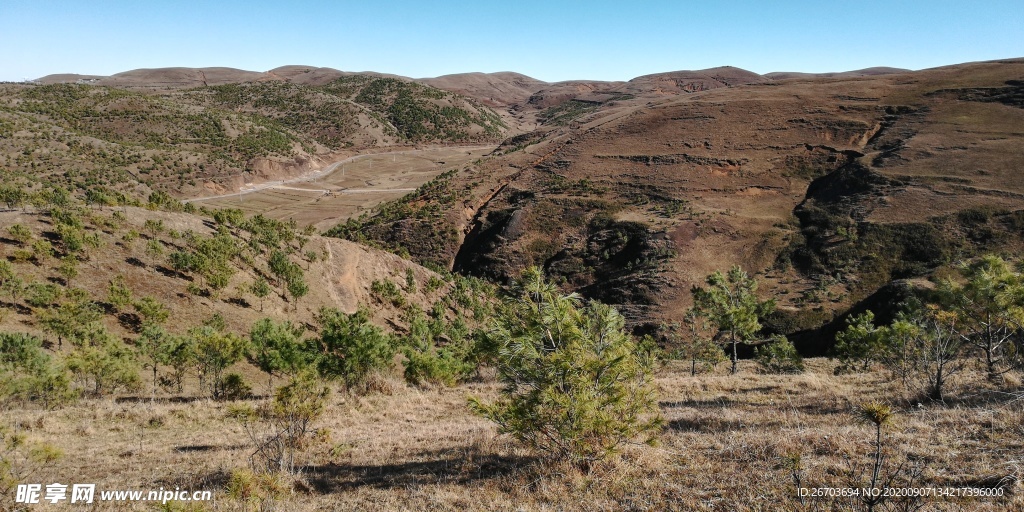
547	40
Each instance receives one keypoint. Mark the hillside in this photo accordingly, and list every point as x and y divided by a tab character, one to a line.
493	89
139	247
880	70
828	187
211	137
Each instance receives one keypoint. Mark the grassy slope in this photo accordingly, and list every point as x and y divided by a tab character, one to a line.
185	141
341	277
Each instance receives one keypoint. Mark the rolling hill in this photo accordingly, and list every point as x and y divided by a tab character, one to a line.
829	188
829	185
190	132
838	192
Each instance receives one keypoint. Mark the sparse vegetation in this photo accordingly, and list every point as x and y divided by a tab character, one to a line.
123	310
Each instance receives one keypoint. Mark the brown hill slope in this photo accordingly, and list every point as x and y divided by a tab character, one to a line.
828	187
875	71
501	89
676	82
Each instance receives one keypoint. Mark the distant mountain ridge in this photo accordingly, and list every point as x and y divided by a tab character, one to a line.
498	89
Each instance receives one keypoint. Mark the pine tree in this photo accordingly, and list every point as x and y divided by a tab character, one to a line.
277	348
576	385
730	303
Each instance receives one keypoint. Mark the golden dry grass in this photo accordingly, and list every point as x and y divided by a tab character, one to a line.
724	447
355	187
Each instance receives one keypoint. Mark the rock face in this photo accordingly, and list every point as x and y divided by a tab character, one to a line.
268	168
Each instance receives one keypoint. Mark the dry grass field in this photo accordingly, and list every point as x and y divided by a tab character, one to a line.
728	444
351	188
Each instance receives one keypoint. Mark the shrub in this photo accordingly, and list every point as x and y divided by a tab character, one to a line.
698	346
21	459
20	233
860	344
103	363
27	373
42	250
41	295
151	311
433	283
576	387
119	294
437	366
277	347
21	255
69	319
257	491
779	356
349	346
279	429
214	352
233	387
387	291
429	359
260	288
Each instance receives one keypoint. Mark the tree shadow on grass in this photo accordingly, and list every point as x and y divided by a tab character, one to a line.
706	425
449	466
166	272
201	448
20	309
717	403
201	481
138	399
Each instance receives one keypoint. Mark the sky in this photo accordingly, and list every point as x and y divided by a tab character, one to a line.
548	40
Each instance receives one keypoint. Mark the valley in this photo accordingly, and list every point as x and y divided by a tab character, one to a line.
310	289
344	189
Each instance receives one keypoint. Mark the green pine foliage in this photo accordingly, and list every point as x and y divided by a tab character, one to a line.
779	356
277	348
29	374
437	352
216	350
576	385
730	303
103	364
349	347
860	344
